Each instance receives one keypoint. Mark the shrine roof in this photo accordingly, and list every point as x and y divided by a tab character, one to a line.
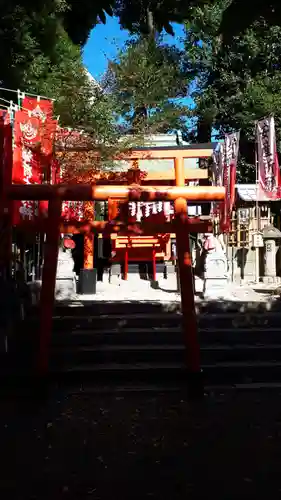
248	193
208	145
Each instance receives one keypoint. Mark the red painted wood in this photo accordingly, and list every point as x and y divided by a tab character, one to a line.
154	263
48	285
190	328
126	263
88	192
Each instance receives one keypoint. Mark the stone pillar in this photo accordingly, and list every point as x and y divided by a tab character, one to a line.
115	274
271	236
65	279
215	274
270	259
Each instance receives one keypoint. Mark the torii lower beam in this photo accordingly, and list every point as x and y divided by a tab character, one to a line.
87	192
195	225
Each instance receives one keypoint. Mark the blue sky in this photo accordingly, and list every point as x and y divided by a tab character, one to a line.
105	40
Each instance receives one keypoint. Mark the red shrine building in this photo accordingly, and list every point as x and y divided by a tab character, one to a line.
156	250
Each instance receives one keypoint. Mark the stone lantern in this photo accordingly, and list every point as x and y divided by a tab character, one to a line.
271	235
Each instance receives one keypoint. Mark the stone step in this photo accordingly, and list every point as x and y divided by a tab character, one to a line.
122	307
163	353
164	335
118	354
226	373
234	372
126	336
226	320
253	335
115	323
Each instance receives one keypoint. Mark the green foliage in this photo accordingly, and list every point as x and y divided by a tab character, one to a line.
236	83
28	33
40	58
149	81
240	15
133	15
232	51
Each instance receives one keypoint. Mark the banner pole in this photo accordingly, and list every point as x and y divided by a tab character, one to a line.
257	253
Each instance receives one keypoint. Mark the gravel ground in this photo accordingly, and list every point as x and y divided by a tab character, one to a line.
137	289
141	445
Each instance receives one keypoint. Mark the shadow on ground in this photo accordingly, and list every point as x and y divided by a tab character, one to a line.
140	445
79	444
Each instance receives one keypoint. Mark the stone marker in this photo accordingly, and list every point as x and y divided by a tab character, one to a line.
65	280
270	235
215	272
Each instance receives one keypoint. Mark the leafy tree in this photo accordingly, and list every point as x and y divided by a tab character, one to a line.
28	32
133	15
236	83
240	15
149	81
43	60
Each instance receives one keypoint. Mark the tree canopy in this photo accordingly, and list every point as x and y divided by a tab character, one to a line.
149	81
238	16
236	83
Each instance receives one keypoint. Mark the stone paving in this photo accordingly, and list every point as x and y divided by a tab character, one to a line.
163	290
136	289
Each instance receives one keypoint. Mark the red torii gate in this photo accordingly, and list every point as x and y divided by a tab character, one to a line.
54	225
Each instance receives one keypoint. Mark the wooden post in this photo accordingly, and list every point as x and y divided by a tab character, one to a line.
89	237
6	205
88	251
126	263
112	209
154	263
186	278
48	284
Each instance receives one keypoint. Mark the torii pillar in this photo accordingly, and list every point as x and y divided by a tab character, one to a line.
190	330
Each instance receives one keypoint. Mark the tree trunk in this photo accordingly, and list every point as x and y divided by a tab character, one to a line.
204	132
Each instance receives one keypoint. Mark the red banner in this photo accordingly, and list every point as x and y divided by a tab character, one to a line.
217	176
268	165
6	205
26	160
5	116
224	174
26	168
73	210
230	156
39	108
6	147
43	110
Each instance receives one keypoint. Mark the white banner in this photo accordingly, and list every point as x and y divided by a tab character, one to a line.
224	174
217	167
268	167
